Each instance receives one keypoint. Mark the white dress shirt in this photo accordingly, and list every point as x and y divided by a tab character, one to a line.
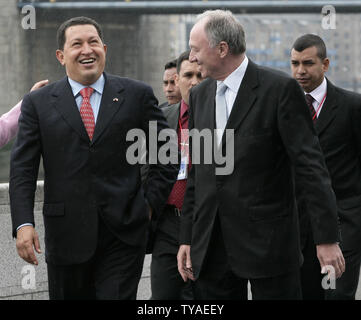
95	98
233	82
318	95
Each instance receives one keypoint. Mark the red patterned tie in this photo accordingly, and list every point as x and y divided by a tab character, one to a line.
176	197
86	111
309	100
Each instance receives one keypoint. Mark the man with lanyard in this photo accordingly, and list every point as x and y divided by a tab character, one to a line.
336	115
166	282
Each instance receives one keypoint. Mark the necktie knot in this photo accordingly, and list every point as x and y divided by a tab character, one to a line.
221	88
86	92
309	99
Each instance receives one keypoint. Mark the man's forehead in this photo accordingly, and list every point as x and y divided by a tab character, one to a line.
306	54
198	30
169	73
188	66
76	30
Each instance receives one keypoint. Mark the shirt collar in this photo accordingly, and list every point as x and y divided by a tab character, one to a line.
97	85
319	93
234	80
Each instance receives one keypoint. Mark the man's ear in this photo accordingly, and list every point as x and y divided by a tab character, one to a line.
176	78
60	56
326	64
223	49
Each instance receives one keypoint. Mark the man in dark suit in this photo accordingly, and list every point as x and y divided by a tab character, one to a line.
243	226
170	88
96	213
166	282
336	114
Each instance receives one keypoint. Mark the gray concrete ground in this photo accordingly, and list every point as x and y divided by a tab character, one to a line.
14	272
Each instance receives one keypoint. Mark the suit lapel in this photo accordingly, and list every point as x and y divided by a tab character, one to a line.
66	106
172	115
328	110
112	98
210	104
245	98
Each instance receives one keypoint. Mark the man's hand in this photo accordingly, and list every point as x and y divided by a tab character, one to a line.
26	239
39	84
331	255
185	263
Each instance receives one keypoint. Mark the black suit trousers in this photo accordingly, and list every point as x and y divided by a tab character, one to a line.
166	282
217	280
113	273
311	277
346	286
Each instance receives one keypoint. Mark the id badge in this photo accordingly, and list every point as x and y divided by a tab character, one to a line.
183	170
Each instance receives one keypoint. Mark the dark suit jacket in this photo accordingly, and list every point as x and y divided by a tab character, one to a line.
86	179
339	130
256	203
171	114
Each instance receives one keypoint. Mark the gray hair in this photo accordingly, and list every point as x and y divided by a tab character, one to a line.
221	25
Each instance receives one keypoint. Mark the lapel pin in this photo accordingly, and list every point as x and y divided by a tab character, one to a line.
115	99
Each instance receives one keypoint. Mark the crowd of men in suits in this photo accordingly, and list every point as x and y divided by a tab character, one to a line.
286	216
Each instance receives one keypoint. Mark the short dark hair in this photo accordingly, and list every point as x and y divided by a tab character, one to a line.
171	64
311	40
75	22
183	56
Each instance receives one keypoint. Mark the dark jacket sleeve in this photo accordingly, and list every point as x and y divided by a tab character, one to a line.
24	166
311	175
159	176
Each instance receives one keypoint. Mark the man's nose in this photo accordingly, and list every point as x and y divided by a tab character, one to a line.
169	87
86	48
195	81
192	57
301	69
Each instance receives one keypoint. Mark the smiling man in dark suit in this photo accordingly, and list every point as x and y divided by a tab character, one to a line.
243	226
336	115
96	213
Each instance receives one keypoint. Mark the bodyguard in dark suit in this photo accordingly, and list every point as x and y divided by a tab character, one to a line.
336	115
170	88
243	226
95	211
166	282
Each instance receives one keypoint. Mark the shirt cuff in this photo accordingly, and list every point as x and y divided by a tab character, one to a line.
23	225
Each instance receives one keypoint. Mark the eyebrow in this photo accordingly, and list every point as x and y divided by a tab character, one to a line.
302	61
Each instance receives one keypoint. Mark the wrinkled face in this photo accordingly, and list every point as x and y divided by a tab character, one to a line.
170	88
83	55
307	68
207	58
188	77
